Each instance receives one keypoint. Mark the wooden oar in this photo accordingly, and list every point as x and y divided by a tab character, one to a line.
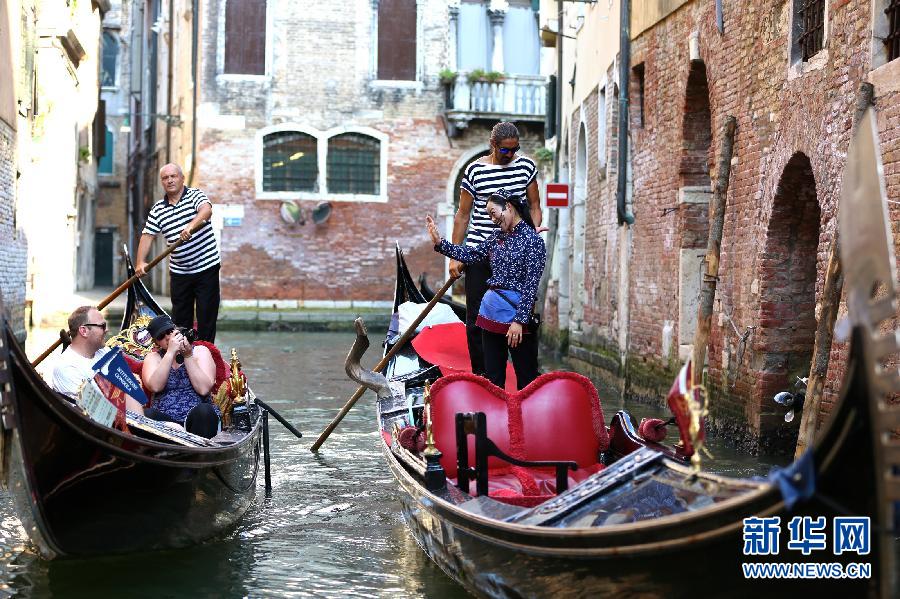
397	347
118	291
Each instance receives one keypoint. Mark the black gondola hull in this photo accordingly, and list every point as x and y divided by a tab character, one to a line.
82	489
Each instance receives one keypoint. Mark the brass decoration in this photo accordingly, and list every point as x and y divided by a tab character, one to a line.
430	449
698	410
238	382
135	340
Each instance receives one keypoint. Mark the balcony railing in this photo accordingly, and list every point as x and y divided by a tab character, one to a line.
521	96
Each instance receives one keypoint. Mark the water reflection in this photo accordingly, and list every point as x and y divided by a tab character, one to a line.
331	528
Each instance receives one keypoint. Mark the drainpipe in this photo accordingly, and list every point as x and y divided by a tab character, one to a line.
195	34
170	66
624	68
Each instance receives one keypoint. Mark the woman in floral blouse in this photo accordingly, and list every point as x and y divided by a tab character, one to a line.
517	256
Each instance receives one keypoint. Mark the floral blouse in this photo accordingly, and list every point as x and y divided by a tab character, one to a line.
517	262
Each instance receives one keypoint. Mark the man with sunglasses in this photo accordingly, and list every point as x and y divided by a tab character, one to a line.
87	328
503	168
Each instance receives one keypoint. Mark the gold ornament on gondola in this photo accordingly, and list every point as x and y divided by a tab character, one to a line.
135	341
430	448
232	392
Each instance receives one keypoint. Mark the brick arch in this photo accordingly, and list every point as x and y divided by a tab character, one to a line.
696	129
783	343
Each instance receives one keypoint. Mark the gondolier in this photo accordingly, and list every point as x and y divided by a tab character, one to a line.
194	266
505	169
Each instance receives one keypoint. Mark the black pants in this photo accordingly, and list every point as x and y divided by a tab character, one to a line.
202	420
524	358
476	286
200	289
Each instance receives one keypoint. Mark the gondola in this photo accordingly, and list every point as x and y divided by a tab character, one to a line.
84	489
642	523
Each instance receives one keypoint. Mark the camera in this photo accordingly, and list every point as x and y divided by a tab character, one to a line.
189	334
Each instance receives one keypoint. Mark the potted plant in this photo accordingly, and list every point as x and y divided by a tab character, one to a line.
447	77
494	77
476	75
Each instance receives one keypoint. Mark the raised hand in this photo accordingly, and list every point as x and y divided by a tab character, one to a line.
432	230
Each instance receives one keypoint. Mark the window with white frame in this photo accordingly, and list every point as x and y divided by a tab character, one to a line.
808	29
344	163
110	56
290	162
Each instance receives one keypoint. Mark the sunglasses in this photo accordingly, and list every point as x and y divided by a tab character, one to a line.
99	326
509	150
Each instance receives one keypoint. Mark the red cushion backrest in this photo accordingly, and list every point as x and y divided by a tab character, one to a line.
561	419
466	392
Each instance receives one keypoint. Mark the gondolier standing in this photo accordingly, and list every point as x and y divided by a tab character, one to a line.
505	169
194	266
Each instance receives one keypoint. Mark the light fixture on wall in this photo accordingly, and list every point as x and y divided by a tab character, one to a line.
293	214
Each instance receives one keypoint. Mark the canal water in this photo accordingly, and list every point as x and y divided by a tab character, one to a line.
332	526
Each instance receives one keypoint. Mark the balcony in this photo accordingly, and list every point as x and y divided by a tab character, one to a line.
515	98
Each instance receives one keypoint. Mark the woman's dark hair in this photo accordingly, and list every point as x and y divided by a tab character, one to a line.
502	197
503	130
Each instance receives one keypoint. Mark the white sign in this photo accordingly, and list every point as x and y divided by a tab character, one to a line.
92	401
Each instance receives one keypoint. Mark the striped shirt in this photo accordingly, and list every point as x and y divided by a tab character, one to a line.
481	180
198	253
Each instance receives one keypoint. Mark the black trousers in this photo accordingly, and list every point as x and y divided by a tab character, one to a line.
476	286
201	290
524	358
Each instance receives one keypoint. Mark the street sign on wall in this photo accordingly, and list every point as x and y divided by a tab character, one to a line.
557	195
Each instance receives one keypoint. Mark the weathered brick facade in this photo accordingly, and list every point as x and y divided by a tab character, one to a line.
321	77
13	258
794	125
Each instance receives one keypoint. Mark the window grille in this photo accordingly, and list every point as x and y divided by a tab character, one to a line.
810	20
892	41
354	164
290	162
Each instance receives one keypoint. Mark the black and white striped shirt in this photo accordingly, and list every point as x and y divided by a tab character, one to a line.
481	180
198	253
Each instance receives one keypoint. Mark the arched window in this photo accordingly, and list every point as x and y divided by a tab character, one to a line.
354	164
290	162
105	165
110	56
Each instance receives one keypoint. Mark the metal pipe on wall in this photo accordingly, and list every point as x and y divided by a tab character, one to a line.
624	67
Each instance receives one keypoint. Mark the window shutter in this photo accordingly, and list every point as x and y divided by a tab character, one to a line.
397	40
245	37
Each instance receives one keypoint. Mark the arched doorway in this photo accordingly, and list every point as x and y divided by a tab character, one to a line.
694	195
783	343
577	292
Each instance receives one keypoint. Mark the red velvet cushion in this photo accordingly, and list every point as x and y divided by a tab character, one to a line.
561	419
557	417
467	393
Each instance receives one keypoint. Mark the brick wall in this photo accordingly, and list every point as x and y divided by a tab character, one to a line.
13	258
792	136
322	78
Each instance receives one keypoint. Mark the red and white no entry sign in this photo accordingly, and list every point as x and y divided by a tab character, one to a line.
558	195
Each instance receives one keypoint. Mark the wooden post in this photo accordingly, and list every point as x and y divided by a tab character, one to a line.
827	308
713	246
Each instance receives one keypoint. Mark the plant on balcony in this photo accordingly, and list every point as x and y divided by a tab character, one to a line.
494	77
475	75
447	77
543	156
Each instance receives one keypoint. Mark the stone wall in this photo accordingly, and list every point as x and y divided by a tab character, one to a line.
13	258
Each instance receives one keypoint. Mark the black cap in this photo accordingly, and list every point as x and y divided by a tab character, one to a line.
159	326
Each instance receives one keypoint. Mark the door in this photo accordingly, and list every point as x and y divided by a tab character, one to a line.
103	257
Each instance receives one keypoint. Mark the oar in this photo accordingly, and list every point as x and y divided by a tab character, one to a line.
397	346
118	291
279	418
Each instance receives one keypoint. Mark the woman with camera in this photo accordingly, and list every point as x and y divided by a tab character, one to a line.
517	255
181	377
